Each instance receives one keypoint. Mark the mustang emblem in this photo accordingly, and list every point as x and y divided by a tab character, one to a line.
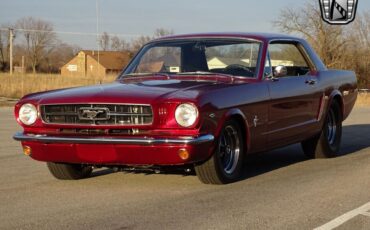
93	114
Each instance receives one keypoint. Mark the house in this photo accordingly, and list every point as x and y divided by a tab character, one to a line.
166	63
222	62
218	62
92	63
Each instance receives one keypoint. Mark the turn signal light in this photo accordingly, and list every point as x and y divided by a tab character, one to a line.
27	150
183	154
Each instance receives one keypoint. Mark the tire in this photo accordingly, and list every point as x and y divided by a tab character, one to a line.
226	164
327	143
69	171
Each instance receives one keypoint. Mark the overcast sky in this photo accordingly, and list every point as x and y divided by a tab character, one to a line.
142	17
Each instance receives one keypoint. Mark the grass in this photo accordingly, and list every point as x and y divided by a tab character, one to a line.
18	85
363	99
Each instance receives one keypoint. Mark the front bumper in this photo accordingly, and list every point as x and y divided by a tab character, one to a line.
117	150
111	140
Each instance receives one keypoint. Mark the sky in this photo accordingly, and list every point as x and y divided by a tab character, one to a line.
130	18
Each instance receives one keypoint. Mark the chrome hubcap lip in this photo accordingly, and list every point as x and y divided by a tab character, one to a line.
229	149
331	128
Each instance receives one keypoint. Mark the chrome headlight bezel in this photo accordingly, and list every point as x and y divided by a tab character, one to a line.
28	114
186	114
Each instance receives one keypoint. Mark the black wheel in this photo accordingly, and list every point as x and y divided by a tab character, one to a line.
69	171
327	143
225	166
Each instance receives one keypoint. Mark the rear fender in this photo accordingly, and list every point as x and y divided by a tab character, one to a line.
335	94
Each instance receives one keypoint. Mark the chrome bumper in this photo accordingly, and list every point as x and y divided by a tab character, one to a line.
113	140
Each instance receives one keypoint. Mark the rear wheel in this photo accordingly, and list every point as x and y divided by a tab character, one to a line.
69	171
327	143
225	166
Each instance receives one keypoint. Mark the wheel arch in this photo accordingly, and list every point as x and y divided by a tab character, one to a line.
238	116
336	96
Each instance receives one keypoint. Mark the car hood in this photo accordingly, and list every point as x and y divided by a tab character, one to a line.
146	91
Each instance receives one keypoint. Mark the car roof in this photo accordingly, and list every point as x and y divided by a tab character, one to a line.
256	36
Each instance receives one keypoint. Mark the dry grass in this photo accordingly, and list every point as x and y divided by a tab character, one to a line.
19	85
363	99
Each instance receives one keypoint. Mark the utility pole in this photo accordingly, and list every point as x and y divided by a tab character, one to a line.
11	37
97	33
23	69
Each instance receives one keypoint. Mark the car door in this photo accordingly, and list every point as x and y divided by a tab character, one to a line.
292	110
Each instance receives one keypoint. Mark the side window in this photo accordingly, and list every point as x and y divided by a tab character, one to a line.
289	56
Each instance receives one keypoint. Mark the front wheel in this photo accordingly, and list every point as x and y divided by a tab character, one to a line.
225	166
69	171
327	143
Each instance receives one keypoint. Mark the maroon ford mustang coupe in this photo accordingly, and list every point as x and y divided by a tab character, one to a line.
199	101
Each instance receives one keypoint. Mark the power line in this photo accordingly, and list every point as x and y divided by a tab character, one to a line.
71	32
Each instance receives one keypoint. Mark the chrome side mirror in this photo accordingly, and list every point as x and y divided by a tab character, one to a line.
280	71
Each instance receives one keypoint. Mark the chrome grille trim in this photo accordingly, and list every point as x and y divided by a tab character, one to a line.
116	114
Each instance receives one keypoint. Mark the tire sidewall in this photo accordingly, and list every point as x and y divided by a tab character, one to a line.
333	149
225	177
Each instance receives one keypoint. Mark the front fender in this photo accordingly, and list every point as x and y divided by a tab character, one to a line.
237	114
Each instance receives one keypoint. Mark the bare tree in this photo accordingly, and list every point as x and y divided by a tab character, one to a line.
358	55
4	47
137	43
161	32
58	57
39	37
118	44
115	43
327	40
104	41
360	33
344	47
3	44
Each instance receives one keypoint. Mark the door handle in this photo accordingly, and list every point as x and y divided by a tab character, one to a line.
310	82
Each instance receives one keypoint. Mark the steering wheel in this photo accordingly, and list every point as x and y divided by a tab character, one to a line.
239	67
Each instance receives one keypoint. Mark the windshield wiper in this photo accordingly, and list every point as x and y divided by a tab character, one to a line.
204	73
145	74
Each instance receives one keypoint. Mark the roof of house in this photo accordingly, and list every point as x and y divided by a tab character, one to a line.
113	60
230	61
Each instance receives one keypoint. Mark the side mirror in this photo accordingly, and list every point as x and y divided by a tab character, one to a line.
280	71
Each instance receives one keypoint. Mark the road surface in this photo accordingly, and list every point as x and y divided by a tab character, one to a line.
281	189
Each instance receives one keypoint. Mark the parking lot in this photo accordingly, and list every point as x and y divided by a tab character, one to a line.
281	189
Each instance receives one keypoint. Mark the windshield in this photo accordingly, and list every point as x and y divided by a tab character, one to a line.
231	57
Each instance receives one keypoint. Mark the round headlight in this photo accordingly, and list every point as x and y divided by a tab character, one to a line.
28	114
186	114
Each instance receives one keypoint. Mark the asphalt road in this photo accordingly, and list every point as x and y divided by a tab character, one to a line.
281	189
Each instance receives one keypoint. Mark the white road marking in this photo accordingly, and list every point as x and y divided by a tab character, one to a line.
363	210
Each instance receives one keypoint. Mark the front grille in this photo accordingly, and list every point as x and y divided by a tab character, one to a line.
97	114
